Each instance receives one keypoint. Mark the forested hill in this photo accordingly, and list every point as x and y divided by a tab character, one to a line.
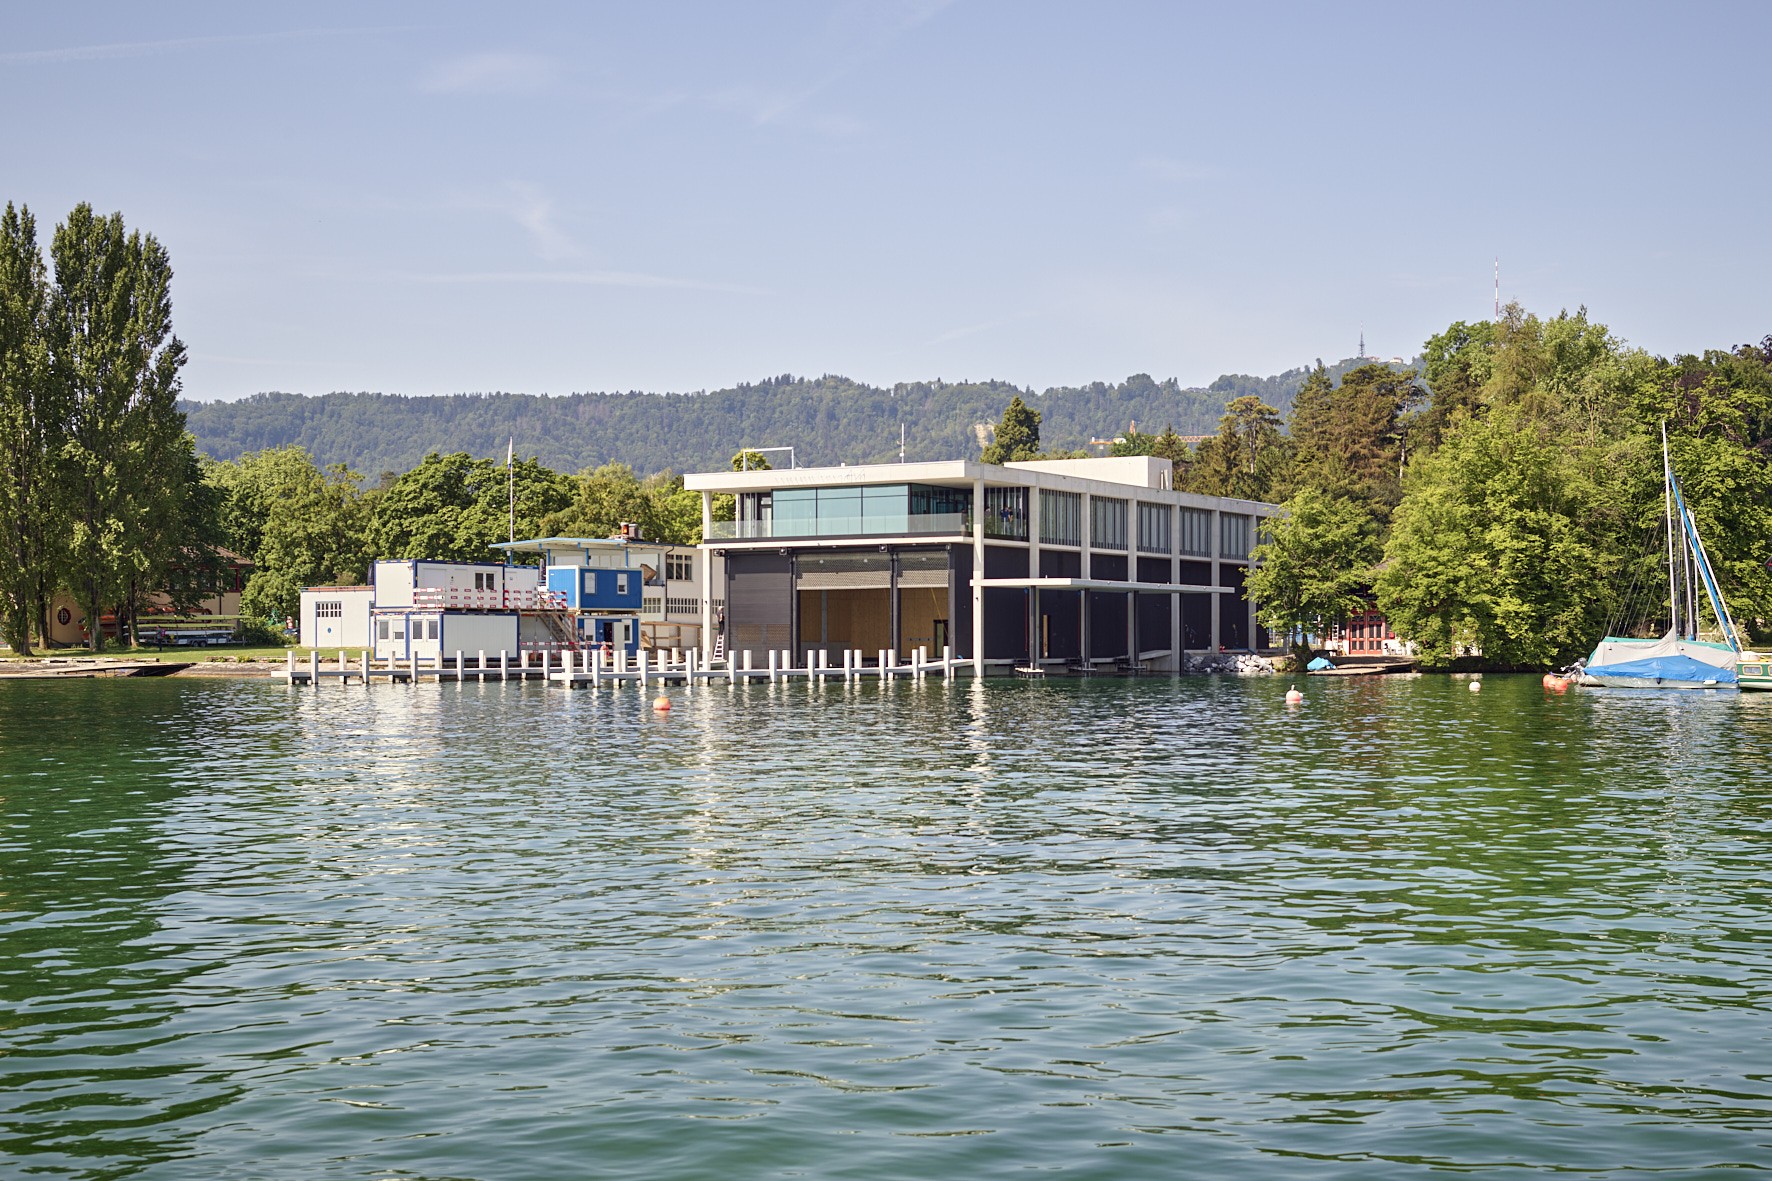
827	420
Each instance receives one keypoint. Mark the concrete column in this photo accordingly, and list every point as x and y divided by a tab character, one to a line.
1175	637
1036	505
1216	546
977	578
706	580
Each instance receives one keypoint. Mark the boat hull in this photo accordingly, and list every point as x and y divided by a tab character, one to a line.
1754	675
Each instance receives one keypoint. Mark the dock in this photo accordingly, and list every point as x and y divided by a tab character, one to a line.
594	668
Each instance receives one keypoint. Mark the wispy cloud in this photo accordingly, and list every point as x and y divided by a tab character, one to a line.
491	73
122	49
856	34
598	278
984	326
533	210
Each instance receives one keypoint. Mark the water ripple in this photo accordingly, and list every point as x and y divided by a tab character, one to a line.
1099	929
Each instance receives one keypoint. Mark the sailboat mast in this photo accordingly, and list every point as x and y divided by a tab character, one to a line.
1667	515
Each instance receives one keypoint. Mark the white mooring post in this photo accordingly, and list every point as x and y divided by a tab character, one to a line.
689	668
314	668
364	655
747	665
544	664
480	667
596	664
291	673
412	669
917	663
947	660
640	663
342	670
774	660
504	665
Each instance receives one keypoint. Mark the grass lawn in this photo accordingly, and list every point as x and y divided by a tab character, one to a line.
224	652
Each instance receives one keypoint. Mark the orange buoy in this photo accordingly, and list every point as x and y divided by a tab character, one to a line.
1293	696
662	704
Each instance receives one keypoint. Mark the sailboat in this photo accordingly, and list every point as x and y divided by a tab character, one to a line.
1678	659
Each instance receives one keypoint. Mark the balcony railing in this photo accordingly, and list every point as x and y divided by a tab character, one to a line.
922	525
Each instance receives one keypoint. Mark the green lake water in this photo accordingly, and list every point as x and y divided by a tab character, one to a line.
1109	929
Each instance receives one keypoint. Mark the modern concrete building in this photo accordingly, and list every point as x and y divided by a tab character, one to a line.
1070	563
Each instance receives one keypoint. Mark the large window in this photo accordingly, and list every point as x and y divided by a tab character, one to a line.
1233	535
1107	523
680	567
1153	528
1196	531
329	609
1061	518
1006	513
858	510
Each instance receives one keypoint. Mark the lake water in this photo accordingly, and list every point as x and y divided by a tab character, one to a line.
1109	929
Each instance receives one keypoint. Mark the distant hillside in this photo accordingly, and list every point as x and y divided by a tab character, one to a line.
827	420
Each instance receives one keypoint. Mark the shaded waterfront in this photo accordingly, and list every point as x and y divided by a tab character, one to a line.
1108	929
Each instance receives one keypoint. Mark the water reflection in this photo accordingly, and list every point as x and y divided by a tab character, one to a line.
1113	928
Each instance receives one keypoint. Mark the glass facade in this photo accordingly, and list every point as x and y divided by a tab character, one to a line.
1061	518
1233	535
855	511
1153	528
1006	513
1196	532
1107	523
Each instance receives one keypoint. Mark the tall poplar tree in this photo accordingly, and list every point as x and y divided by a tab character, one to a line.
30	424
116	362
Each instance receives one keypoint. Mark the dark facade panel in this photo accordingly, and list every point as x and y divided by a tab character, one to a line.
759	600
1061	624
1058	563
1153	621
1196	621
1233	611
1005	623
1153	570
1109	566
1005	561
960	590
1107	622
1196	573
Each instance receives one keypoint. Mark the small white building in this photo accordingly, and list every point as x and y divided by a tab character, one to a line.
336	616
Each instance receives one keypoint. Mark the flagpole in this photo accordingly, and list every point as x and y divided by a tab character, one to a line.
511	489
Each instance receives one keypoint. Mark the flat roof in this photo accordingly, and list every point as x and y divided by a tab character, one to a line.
1101	477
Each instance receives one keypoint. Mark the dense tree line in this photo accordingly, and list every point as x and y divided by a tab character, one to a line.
1507	498
99	492
828	420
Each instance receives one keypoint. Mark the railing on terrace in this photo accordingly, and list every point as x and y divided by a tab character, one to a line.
927	524
462	599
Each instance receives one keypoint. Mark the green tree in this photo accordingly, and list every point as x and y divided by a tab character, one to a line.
299	525
1247	458
455	507
1349	440
1510	540
1315	563
112	353
602	498
31	422
748	460
1718	411
1018	435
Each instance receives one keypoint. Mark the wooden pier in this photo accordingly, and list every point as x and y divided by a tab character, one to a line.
594	668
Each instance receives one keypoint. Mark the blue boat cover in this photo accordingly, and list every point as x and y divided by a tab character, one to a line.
1665	668
1318	665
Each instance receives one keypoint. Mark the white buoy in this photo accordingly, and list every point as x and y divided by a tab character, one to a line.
1476	686
1293	696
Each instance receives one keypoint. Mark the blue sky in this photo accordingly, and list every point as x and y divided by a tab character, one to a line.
433	198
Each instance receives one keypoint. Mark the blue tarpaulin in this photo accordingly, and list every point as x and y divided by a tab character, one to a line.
1659	669
1318	665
